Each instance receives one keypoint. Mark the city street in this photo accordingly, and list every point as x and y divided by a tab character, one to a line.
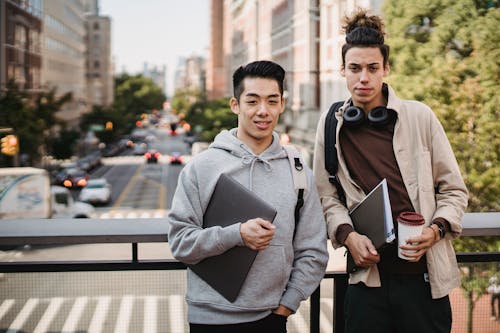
131	301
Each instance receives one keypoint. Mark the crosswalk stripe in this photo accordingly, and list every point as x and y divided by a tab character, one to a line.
298	319
100	313
124	314
325	324
176	310
5	307
23	315
117	160
133	214
175	317
75	314
49	314
150	314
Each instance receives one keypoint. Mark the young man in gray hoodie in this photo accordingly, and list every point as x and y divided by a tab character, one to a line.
290	263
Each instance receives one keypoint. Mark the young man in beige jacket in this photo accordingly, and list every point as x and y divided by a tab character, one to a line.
402	141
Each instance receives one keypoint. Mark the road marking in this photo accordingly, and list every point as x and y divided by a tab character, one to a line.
48	316
124	314
75	314
150	314
23	315
176	312
129	187
163	191
5	307
100	313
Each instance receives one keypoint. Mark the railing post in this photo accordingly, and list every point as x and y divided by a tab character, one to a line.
135	255
314	311
340	282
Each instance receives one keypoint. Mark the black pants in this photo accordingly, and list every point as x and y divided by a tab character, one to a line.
273	323
402	304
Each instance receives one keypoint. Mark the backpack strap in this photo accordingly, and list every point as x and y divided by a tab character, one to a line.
299	179
331	160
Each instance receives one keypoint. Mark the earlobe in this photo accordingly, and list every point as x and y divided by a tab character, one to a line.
235	108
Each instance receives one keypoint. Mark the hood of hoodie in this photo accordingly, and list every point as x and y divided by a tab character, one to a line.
229	142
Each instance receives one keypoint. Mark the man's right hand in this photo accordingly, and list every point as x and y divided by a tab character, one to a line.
257	233
362	250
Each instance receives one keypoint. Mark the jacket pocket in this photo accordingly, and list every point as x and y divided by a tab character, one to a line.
425	178
426	190
266	280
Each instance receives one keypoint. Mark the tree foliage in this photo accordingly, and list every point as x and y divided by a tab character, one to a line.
445	53
31	116
136	94
207	118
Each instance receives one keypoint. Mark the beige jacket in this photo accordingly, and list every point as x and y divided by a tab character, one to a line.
431	176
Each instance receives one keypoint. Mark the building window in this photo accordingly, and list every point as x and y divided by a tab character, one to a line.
96	64
96	26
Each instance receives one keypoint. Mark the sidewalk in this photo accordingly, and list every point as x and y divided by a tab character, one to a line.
481	316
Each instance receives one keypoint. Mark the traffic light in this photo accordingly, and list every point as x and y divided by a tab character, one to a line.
10	145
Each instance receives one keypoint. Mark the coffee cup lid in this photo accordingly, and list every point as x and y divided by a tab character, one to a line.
411	218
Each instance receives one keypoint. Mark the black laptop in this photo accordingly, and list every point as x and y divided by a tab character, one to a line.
230	203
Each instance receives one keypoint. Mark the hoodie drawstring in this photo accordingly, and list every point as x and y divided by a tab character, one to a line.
252	159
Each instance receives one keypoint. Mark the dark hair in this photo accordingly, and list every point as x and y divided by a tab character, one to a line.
363	30
261	69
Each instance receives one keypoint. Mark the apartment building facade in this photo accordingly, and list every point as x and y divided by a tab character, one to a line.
64	47
157	74
305	37
20	39
215	82
99	66
191	74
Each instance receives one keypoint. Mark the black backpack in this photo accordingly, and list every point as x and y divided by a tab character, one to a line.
331	161
332	166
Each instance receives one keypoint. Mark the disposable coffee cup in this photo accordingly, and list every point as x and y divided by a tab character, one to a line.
410	224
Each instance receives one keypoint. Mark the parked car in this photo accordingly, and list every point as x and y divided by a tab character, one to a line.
175	158
140	149
97	191
152	156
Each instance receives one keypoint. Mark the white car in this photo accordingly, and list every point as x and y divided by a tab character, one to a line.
97	191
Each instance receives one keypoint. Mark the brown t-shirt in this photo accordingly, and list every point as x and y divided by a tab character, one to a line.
369	156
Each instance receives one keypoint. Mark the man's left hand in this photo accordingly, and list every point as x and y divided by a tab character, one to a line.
416	247
282	311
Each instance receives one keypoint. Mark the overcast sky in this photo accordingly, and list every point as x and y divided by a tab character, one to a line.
157	32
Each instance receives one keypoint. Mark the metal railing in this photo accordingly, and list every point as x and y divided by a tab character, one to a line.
93	231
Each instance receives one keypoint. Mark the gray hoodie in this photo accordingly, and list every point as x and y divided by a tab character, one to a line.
287	272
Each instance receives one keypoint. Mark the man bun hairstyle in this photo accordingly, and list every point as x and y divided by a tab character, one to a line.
257	69
363	30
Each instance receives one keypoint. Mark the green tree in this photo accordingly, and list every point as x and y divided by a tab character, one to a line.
102	115
212	117
135	95
31	117
445	53
207	118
